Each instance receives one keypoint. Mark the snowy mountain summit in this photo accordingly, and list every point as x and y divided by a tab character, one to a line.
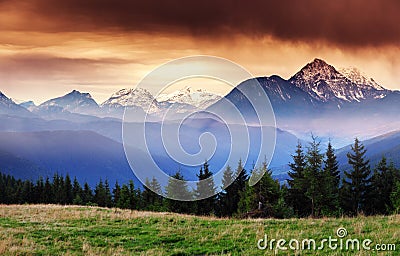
324	83
138	97
199	98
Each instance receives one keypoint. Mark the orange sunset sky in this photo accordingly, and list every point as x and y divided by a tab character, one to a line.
48	48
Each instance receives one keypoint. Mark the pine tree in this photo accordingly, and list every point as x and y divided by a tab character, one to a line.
124	200
116	193
313	176
48	195
77	192
152	200
134	197
395	198
148	195
296	195
26	192
357	182
177	187
267	192
67	188
39	191
247	199
331	177
382	185
156	187
58	189
241	190
100	194
108	196
205	189
87	195
281	209
226	206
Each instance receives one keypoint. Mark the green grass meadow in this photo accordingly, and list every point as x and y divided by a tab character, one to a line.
78	230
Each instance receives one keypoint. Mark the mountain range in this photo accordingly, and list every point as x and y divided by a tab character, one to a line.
75	134
317	89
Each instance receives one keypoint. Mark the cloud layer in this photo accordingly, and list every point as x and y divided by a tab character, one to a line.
342	22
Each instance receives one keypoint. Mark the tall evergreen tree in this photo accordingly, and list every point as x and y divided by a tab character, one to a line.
281	209
100	194
77	192
67	190
116	193
395	198
26	192
296	195
39	191
58	189
134	196
247	199
205	188
241	190
226	204
87	195
382	185
356	184
48	195
178	187
313	177
153	200
108	196
267	192
331	176
124	200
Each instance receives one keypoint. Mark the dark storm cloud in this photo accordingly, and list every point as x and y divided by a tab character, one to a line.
351	23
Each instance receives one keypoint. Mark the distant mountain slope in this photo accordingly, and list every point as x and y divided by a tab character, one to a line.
84	154
387	145
20	167
286	99
74	102
9	107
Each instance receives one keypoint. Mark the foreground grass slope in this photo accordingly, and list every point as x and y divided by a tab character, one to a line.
73	230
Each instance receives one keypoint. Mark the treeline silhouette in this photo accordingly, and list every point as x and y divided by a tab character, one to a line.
315	188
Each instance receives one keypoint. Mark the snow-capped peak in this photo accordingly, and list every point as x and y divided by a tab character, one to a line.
199	98
323	82
360	78
138	97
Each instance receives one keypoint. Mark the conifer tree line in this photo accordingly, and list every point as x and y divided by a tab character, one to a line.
315	188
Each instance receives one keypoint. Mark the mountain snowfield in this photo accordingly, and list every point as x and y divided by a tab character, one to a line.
138	97
335	104
200	98
360	78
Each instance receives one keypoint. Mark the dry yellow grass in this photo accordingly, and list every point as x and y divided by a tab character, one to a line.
78	230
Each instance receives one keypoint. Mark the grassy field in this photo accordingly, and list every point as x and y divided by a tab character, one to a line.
73	230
